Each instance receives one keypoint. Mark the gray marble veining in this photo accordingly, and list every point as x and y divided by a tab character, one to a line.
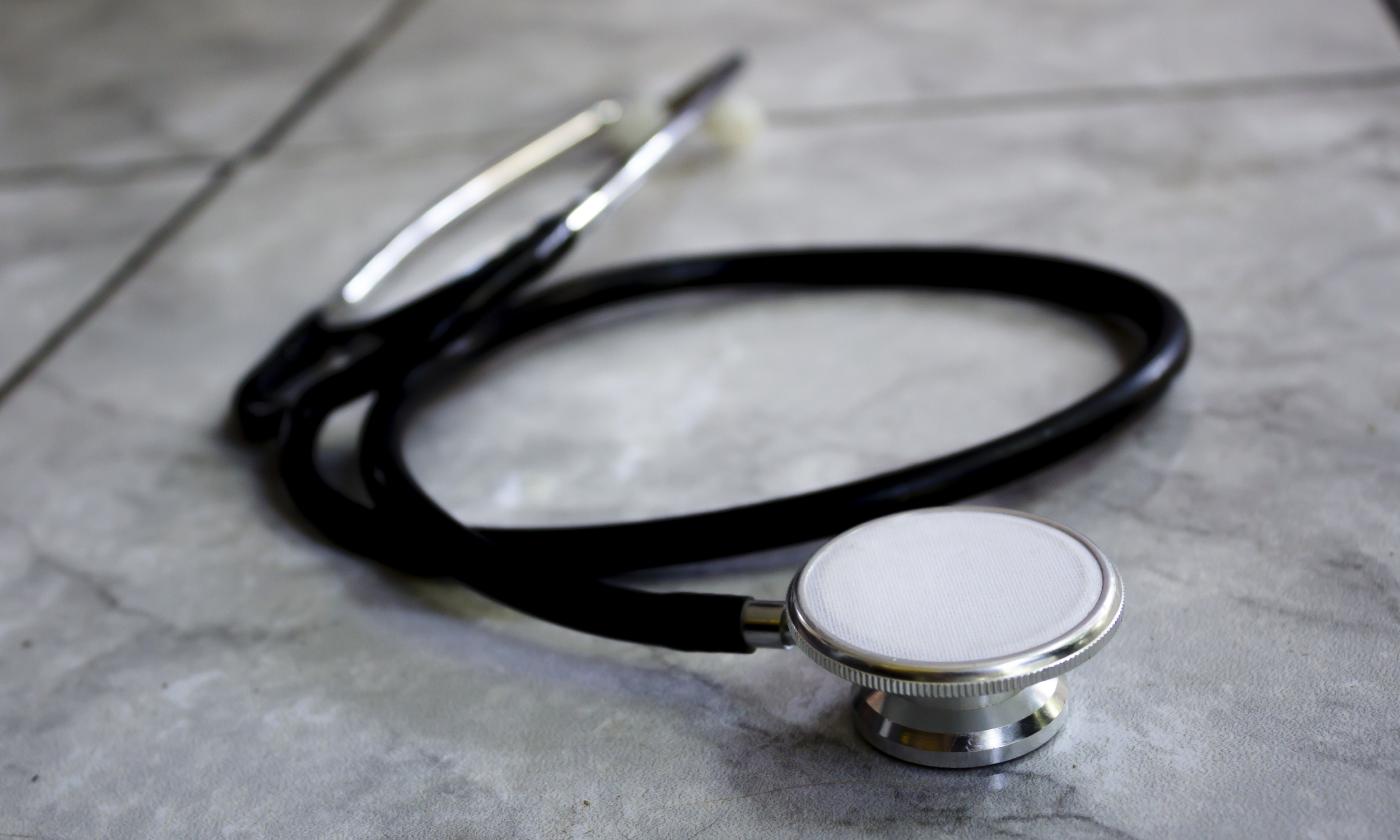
179	658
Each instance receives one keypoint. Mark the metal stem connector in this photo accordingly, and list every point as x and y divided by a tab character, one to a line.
764	624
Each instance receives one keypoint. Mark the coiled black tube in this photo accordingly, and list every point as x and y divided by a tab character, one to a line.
561	574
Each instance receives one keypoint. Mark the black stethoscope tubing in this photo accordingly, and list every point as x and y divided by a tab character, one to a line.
561	574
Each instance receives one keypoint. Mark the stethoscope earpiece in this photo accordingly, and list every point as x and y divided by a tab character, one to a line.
956	625
734	122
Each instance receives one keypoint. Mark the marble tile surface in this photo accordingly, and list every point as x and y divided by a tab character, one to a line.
100	83
114	115
180	658
459	67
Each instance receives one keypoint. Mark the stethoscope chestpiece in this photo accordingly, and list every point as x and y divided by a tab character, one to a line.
956	625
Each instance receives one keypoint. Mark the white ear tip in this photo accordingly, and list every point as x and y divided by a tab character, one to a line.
639	120
732	123
735	121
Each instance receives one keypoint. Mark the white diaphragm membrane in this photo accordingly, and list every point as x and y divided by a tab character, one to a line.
950	585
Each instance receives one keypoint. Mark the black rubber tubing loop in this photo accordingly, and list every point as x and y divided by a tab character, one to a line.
559	573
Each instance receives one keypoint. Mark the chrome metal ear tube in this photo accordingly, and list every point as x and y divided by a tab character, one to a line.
330	337
457	203
686	109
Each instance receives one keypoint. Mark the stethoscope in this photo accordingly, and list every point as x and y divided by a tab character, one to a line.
955	623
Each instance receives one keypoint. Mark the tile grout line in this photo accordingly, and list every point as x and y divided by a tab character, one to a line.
322	84
1179	92
989	104
340	67
118	172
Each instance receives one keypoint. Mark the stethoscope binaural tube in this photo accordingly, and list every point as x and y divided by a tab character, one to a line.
559	574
